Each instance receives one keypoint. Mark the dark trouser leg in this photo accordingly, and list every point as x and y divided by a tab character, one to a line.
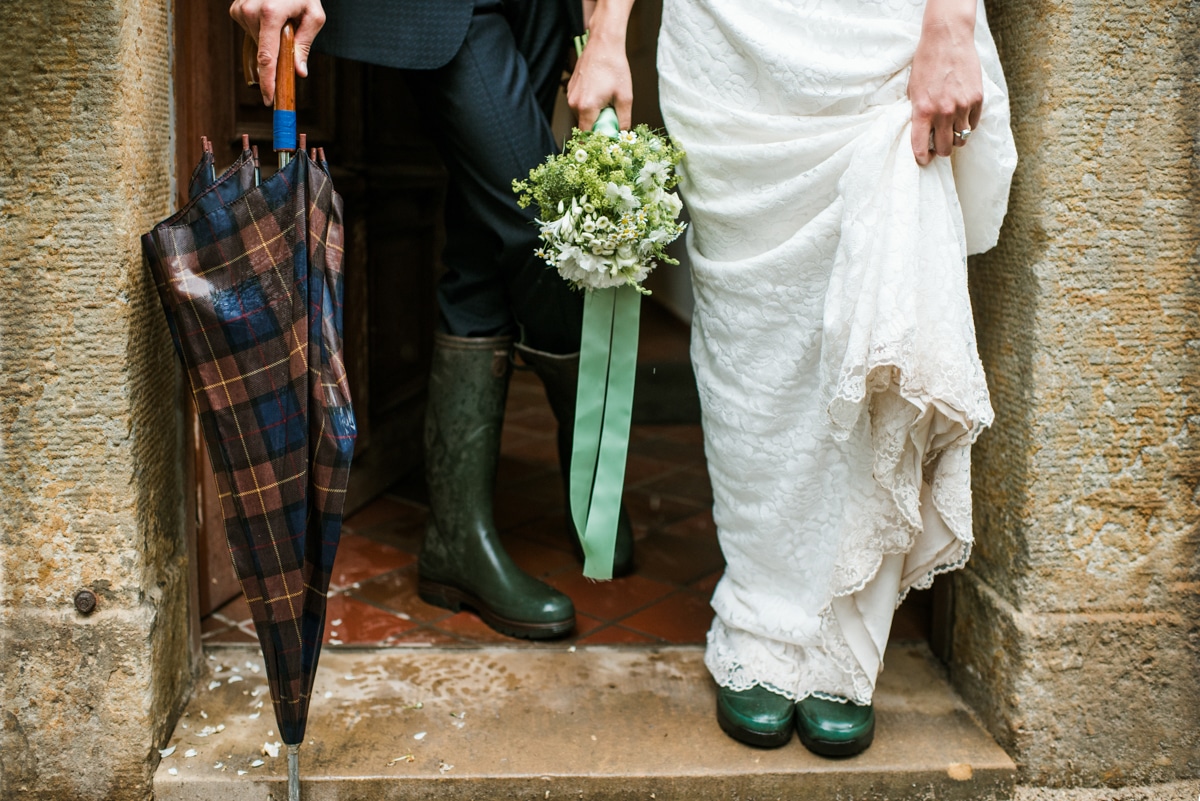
491	105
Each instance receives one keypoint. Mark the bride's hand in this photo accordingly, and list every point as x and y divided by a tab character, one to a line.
602	77
946	82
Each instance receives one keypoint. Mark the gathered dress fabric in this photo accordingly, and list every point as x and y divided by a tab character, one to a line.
832	338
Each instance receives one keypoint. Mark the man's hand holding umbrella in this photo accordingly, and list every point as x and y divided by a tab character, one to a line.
263	20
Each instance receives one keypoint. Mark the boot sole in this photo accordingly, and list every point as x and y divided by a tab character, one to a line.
747	736
844	748
450	597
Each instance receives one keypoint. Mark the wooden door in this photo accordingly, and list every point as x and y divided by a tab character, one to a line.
392	185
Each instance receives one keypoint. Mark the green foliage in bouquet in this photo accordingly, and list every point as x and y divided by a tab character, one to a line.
607	212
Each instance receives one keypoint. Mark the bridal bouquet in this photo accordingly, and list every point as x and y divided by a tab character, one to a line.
607	212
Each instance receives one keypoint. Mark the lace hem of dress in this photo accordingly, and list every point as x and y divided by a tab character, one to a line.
916	441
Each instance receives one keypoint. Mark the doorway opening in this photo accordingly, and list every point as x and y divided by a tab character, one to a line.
387	169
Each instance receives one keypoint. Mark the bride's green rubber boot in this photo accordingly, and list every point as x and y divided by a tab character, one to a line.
462	562
834	729
560	377
756	716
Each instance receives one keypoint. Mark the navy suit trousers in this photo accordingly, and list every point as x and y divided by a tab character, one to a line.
491	107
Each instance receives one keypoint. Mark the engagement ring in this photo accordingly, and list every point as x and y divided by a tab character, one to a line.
962	135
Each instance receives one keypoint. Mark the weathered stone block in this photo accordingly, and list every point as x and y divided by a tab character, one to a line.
90	439
1082	699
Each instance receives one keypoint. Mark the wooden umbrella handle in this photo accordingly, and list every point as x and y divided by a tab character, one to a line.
285	71
285	97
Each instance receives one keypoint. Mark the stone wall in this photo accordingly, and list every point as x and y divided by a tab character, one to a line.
90	442
1077	632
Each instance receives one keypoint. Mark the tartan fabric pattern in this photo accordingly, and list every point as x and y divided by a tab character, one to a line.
251	281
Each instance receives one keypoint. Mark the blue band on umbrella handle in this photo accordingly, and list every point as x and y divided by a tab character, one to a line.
285	130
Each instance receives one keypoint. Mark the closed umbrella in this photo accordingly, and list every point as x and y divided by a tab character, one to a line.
250	276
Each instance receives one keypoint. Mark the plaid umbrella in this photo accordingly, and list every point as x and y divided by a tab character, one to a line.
251	280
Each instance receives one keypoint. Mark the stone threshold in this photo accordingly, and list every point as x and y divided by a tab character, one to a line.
595	723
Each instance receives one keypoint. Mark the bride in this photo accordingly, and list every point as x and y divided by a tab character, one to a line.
843	158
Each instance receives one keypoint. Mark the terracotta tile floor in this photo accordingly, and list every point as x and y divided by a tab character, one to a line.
373	599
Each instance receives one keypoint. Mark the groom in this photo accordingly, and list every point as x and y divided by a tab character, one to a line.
486	74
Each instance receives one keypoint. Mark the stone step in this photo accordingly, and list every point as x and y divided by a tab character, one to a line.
594	723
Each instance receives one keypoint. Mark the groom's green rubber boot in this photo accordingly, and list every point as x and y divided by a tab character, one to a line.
462	562
560	377
756	716
834	729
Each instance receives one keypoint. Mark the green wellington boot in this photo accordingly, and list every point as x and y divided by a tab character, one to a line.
560	376
834	729
462	561
756	716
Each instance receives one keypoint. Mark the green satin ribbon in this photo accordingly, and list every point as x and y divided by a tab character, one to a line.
603	405
603	408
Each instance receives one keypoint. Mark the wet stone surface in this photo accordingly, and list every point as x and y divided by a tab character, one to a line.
582	722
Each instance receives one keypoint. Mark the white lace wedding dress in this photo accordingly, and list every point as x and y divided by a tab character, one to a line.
832	340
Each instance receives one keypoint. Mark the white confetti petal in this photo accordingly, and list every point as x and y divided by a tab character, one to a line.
166	752
233	679
255	715
420	735
337	622
328	695
258	763
173	771
191	752
212	685
271	749
203	714
241	773
218	765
